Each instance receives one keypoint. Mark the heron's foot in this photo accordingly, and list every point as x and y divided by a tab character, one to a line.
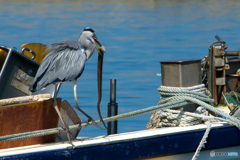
72	145
89	118
95	124
87	122
66	130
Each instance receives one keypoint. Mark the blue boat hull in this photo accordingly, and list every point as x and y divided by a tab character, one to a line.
145	148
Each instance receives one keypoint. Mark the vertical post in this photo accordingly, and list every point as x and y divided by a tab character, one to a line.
112	108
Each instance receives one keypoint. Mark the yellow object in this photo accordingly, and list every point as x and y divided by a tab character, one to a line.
3	55
238	72
38	48
98	49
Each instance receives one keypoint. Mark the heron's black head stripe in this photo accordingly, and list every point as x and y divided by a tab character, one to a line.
89	29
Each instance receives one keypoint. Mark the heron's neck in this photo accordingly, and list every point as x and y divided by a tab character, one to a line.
88	46
89	52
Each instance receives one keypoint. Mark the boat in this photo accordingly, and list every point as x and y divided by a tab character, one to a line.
216	140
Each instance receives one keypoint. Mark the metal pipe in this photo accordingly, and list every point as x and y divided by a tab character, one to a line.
112	108
112	90
233	53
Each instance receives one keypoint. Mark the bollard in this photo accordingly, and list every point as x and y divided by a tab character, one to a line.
112	108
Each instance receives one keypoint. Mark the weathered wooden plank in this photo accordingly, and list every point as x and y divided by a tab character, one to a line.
24	99
27	117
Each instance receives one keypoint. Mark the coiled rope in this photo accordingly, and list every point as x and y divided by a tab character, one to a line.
171	118
182	119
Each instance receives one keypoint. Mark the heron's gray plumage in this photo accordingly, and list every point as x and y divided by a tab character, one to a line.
64	62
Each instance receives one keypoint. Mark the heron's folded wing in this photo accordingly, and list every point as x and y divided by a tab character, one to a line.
64	62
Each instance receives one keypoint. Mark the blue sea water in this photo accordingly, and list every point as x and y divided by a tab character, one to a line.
136	35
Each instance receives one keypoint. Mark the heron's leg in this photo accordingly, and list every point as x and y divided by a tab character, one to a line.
78	108
60	116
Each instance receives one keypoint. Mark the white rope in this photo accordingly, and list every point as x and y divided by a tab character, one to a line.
203	117
203	141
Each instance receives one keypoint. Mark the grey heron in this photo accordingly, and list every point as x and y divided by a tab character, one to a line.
65	62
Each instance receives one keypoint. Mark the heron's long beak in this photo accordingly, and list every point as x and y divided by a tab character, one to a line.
100	51
99	75
96	46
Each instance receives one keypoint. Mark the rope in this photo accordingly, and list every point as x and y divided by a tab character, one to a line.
175	118
173	98
113	118
180	95
203	141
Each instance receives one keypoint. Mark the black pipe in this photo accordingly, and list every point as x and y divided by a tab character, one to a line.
112	108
